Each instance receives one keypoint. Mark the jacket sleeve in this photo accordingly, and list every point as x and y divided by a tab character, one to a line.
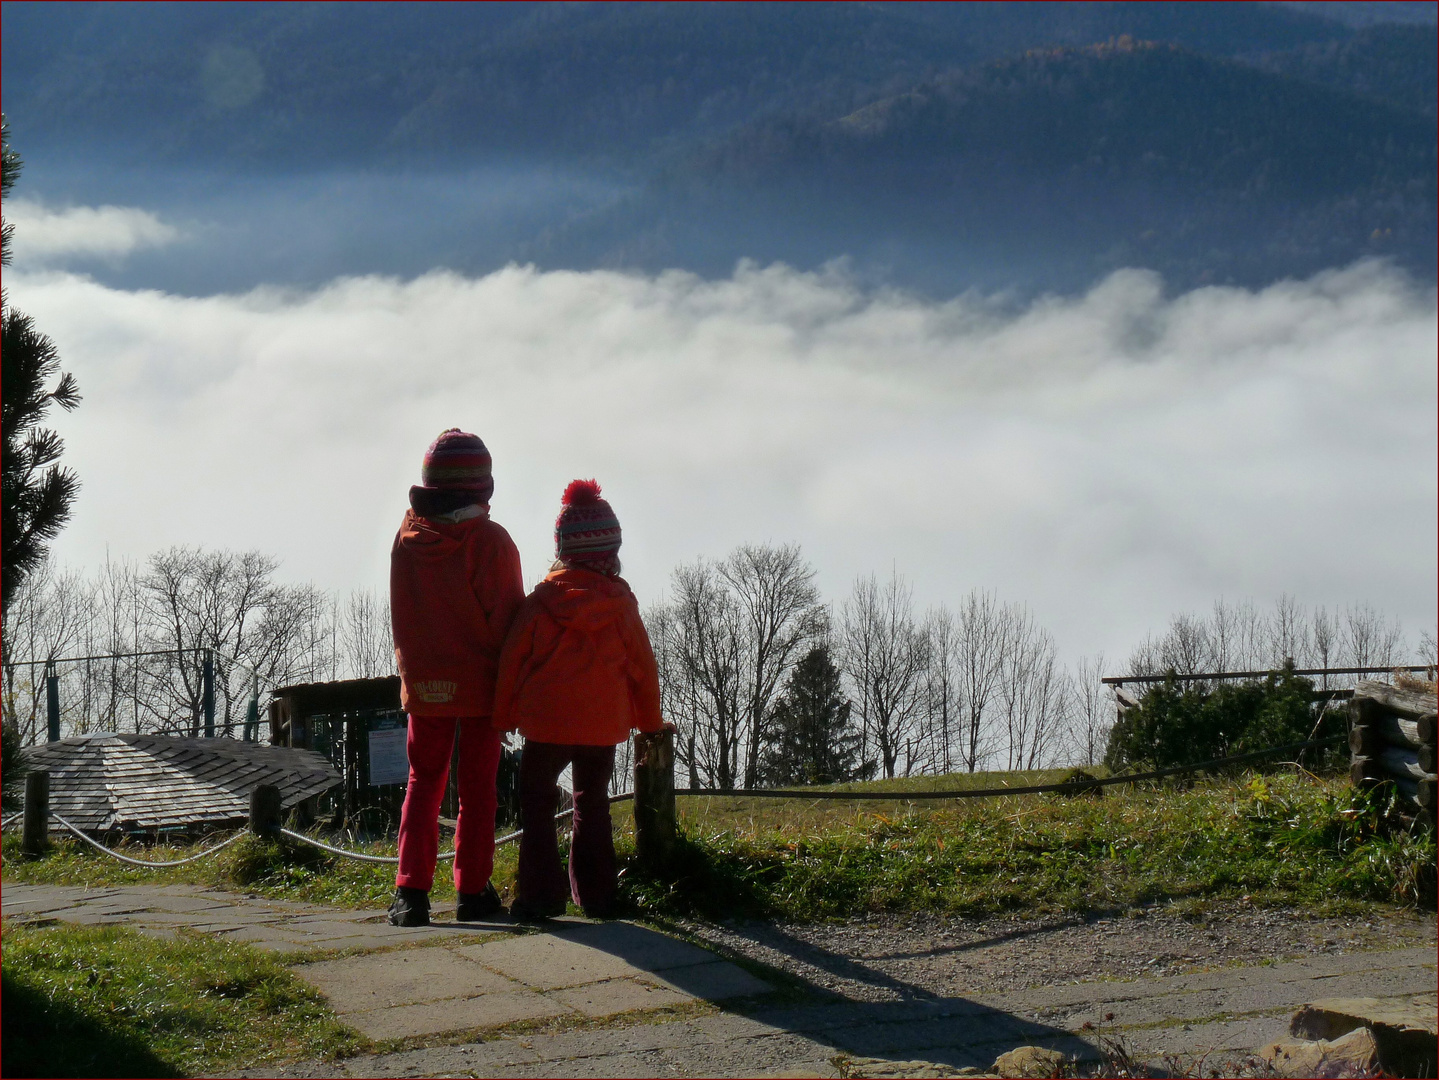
514	666
643	672
500	587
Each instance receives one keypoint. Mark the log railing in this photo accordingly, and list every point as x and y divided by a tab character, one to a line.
1392	738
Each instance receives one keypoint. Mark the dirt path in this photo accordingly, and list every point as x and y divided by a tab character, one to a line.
889	958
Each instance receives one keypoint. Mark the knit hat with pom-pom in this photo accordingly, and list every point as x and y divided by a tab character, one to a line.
455	473
587	529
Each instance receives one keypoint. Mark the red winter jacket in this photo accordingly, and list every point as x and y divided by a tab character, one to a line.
454	590
577	667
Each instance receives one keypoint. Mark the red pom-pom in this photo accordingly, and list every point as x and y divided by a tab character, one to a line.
580	493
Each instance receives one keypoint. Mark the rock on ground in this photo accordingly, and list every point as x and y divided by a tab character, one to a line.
1353	1055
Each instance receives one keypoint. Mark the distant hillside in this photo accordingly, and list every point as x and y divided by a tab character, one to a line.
1398	65
1369	12
306	85
940	145
1060	164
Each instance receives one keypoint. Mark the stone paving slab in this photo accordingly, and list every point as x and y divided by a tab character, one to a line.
492	983
191	902
636	945
575	957
713	982
371	982
453	1014
615	996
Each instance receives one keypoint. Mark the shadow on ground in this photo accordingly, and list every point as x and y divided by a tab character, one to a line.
915	1024
41	1037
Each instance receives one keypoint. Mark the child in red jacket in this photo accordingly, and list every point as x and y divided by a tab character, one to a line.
455	586
577	673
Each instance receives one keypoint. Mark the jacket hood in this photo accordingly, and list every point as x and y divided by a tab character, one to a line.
583	599
434	538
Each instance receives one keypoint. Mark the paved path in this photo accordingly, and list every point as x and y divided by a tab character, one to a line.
581	998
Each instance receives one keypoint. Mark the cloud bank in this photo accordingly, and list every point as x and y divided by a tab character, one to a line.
45	236
1109	458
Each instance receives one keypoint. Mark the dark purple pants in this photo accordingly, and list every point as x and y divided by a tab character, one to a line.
541	880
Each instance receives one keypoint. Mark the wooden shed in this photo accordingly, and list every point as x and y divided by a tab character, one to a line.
357	724
136	784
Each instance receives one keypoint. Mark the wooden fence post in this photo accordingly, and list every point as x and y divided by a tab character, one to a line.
36	835
655	829
265	811
207	692
52	703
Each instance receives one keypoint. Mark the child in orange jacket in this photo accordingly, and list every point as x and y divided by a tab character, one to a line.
576	674
455	586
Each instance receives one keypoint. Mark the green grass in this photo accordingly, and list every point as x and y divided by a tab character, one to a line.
108	1001
1289	839
1286	839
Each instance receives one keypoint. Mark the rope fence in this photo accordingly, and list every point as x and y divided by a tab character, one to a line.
356	855
145	862
855	796
500	841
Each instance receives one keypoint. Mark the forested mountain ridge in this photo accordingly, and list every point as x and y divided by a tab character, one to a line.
305	84
1115	109
1065	163
939	146
1398	65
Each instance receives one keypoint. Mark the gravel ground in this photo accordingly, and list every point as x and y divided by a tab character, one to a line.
899	957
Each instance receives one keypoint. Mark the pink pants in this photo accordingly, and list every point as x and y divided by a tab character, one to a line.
429	744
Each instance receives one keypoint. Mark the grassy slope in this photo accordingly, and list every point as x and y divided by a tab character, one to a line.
1292	839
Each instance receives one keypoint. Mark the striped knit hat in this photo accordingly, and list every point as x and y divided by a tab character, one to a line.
587	529
458	460
456	473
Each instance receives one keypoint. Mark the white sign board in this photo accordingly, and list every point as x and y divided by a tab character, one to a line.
388	761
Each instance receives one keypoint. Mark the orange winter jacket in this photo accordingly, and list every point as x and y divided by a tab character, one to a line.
577	667
454	590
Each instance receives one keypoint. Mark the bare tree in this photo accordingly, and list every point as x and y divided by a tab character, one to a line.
1324	634
981	655
781	614
116	633
1288	632
1091	711
1031	690
679	698
366	645
708	641
228	604
1369	639
884	656
943	703
49	614
1427	650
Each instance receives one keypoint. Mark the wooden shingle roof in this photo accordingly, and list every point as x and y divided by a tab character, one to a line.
108	782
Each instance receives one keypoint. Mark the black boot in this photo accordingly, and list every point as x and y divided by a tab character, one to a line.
474	906
410	907
527	912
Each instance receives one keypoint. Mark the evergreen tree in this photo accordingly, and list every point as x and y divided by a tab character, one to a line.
813	739
1180	722
36	494
12	768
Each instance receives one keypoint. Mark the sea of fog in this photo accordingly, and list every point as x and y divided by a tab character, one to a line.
263	363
